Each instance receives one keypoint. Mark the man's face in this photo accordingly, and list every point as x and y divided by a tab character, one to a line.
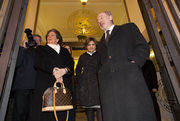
37	39
104	21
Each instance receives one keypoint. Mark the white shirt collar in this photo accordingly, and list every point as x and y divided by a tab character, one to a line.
110	29
55	47
91	53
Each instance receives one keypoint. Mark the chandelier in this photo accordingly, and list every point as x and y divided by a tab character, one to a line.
83	22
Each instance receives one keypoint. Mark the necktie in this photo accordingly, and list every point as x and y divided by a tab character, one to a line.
107	36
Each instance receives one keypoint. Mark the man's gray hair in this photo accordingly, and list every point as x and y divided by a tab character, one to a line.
108	13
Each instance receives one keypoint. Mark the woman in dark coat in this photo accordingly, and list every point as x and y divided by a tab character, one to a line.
86	72
52	62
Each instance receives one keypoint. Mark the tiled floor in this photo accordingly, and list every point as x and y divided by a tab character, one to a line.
81	116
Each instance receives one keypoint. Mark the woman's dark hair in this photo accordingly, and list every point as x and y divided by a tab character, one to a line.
58	35
88	40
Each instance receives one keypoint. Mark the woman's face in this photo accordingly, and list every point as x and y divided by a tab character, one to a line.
51	38
91	46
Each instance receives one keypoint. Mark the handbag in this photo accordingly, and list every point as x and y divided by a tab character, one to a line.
57	99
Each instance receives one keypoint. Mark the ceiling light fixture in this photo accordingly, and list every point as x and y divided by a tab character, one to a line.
82	22
83	2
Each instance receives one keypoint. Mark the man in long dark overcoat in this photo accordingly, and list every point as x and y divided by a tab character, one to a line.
123	91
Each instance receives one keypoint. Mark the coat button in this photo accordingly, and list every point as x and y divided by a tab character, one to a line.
110	57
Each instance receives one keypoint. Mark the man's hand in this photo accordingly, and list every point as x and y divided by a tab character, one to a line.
23	44
132	61
154	90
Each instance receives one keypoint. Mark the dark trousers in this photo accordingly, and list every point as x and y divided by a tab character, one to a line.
156	107
90	114
22	99
72	113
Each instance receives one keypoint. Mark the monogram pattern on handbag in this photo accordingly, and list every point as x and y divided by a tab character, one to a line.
63	99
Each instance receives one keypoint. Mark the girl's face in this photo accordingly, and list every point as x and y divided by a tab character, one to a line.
51	38
91	46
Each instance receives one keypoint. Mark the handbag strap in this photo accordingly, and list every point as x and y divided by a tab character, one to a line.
62	86
54	104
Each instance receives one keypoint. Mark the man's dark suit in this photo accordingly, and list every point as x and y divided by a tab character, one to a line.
24	81
123	91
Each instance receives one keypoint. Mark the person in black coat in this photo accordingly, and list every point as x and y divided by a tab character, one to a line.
87	76
123	90
24	81
150	77
72	113
52	63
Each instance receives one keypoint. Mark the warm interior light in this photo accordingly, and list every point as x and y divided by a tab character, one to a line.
83	23
152	55
83	31
83	2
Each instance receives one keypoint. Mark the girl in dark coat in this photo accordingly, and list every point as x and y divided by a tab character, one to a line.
72	113
52	62
86	72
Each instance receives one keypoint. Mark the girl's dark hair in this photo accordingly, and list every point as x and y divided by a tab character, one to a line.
58	35
64	45
88	40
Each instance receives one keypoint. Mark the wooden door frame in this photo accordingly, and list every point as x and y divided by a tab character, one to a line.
10	52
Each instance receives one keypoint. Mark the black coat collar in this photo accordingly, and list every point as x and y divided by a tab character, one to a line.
51	50
113	33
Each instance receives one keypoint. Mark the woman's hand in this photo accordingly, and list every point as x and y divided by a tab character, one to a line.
60	80
59	72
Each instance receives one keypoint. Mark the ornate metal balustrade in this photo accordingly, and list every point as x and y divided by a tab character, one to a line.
164	33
